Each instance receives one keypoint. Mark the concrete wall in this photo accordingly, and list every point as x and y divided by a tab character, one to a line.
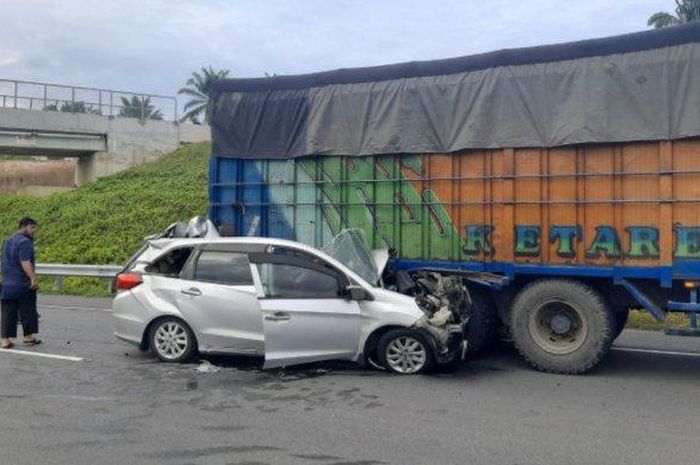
132	142
128	141
36	177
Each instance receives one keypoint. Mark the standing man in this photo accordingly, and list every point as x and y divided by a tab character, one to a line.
19	285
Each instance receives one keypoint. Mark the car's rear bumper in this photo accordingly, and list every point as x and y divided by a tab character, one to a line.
128	339
130	318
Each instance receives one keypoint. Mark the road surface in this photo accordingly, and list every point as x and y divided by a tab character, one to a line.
87	398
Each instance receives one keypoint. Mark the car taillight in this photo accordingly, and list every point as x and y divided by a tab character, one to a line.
127	281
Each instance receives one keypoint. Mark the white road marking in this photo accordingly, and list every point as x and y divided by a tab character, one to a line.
76	307
80	398
41	354
656	352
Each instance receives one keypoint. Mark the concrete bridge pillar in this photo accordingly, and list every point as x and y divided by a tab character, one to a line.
85	169
96	165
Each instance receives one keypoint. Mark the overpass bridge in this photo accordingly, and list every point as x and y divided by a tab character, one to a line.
103	136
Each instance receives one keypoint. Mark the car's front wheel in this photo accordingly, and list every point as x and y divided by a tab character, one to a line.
404	352
172	340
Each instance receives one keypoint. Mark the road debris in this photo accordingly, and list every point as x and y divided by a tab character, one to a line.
206	367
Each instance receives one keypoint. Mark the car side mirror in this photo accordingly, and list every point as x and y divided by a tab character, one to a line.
354	292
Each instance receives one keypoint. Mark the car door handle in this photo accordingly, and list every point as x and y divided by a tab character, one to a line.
279	316
193	291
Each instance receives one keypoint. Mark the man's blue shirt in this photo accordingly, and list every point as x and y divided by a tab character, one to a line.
15	282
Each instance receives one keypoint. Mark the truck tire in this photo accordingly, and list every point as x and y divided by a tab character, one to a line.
561	326
483	321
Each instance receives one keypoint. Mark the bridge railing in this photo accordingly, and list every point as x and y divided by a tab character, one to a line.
30	95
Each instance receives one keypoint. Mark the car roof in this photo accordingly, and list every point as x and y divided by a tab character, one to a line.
233	240
165	244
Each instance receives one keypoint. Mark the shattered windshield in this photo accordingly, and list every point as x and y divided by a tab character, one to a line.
350	248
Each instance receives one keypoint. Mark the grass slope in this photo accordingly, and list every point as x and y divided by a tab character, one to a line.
105	221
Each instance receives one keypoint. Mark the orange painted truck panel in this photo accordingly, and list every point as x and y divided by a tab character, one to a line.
598	189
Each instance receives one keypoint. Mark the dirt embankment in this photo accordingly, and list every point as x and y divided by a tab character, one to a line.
36	177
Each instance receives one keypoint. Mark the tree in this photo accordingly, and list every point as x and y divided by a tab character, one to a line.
139	107
199	88
71	107
686	11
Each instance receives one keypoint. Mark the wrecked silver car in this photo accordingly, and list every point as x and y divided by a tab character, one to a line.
188	291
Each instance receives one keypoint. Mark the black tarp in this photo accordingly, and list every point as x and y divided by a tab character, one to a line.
634	87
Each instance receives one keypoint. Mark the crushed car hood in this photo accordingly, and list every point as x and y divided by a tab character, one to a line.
350	248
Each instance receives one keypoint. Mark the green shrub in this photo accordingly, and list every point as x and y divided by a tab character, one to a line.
105	221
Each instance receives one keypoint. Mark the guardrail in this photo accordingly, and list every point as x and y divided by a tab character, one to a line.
30	95
88	271
60	271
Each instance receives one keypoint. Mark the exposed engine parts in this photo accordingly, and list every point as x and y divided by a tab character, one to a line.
444	298
437	294
445	301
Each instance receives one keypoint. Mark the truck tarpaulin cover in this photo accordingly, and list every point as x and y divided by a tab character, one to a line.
635	87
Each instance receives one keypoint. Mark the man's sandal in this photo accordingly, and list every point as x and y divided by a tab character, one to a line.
32	342
9	345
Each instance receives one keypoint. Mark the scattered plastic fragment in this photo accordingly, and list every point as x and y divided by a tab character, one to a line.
206	367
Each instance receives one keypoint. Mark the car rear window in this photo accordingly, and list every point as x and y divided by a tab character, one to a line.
223	268
172	263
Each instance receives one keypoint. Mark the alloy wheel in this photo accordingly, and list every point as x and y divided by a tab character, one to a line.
171	340
406	355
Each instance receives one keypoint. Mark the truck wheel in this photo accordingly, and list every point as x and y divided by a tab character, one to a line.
481	328
561	326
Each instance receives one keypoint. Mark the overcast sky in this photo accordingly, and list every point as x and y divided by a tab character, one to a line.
153	45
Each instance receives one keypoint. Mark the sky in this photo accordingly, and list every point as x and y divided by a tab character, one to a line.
153	46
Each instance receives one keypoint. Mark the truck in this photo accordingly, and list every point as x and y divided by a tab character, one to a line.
561	182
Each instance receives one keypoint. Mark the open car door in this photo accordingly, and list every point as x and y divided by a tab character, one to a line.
306	318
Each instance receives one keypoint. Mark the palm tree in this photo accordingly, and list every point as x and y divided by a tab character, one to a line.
72	107
139	107
199	88
686	12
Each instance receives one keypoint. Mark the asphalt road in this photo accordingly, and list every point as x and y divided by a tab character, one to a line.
117	406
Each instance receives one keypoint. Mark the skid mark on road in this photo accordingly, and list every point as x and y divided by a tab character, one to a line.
321	457
41	354
201	453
